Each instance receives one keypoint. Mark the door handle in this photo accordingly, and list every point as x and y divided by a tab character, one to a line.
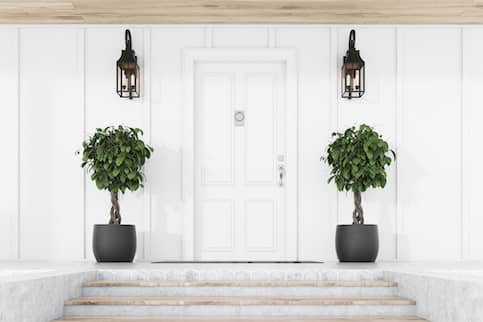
281	174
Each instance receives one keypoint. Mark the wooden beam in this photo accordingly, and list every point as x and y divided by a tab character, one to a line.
243	11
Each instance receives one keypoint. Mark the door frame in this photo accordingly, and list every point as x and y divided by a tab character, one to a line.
210	55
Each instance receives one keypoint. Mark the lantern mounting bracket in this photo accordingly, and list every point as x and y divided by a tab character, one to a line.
352	39
128	39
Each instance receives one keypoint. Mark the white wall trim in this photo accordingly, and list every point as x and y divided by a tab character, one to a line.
147	87
18	250
396	125
334	105
462	197
82	46
399	140
465	201
190	57
208	37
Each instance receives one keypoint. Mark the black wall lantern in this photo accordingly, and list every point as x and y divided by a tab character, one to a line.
353	76
127	76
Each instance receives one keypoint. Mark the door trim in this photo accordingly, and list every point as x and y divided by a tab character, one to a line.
190	58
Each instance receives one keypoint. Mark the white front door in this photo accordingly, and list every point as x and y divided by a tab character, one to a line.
240	161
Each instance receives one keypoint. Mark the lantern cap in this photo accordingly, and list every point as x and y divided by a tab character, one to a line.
352	58
128	56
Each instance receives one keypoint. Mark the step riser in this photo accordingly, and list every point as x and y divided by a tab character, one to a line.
249	274
244	319
242	291
231	310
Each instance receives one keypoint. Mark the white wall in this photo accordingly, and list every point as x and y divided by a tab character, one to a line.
423	94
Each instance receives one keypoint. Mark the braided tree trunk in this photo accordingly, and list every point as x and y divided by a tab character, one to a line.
115	209
358	214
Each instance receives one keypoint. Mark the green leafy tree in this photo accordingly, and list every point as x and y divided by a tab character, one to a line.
115	157
358	159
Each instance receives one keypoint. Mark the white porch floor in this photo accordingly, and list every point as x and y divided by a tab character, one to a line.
24	270
443	291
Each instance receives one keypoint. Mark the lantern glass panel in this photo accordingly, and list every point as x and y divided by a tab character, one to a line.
353	82
128	84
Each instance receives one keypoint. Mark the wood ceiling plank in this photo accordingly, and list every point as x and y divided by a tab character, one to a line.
243	11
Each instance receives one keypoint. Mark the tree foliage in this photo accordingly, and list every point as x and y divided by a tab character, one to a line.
115	157
358	159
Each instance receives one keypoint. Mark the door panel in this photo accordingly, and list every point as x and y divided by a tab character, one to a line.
216	94
261	224
261	110
239	200
218	214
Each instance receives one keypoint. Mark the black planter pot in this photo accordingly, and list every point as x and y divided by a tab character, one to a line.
114	243
357	243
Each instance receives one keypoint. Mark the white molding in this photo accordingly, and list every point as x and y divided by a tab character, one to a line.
334	106
82	49
465	138
461	149
399	140
396	122
18	241
147	88
209	37
272	37
190	57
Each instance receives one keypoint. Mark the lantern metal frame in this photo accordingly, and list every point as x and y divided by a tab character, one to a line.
353	72
128	81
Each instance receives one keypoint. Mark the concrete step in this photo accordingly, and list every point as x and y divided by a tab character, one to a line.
242	319
252	272
244	283
238	306
228	300
241	288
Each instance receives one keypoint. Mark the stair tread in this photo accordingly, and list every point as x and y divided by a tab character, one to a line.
375	283
231	300
244	319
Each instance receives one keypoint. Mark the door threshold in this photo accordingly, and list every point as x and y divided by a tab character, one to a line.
238	262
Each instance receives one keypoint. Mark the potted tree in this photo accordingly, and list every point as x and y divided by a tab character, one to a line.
115	157
358	159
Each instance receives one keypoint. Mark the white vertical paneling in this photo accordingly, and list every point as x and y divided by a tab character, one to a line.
240	36
9	133
429	149
376	108
426	88
316	216
103	108
165	167
51	126
472	153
